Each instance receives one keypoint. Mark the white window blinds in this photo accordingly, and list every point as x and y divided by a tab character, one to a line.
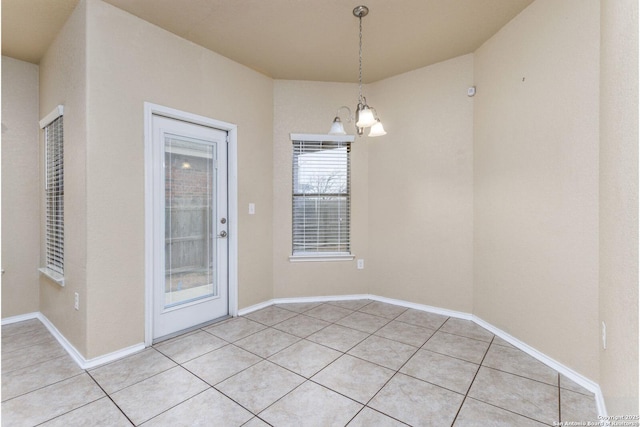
321	197
54	195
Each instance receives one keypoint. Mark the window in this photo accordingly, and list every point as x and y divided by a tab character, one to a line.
54	195
321	197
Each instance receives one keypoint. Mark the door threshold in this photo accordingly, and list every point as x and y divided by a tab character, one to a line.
191	329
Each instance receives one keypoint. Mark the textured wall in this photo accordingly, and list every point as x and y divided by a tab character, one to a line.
63	81
536	181
309	107
421	187
619	204
20	188
129	62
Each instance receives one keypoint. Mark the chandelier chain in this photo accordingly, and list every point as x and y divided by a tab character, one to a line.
360	99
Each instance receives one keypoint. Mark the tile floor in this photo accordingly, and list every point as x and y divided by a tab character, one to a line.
356	363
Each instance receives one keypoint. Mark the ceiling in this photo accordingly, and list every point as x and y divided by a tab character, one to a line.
291	39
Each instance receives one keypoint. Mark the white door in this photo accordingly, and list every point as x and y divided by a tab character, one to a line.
190	249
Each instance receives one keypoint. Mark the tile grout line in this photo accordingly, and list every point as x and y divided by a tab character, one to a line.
452	357
330	363
266	359
230	376
285	395
398	370
472	381
518	375
177	404
144	379
333	361
464	336
42	387
237	403
305	380
494	405
254	415
247	336
5	353
379	412
79	407
25	347
559	400
38	363
226	343
326	346
152	376
110	398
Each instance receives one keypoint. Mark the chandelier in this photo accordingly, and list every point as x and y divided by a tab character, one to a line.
366	116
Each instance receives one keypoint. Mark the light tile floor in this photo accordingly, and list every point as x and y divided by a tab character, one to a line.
356	363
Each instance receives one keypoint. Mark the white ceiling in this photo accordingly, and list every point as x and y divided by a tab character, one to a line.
291	39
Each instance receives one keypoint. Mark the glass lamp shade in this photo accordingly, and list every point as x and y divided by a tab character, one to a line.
377	129
365	117
337	128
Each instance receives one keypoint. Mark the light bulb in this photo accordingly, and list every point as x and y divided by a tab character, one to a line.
365	117
377	129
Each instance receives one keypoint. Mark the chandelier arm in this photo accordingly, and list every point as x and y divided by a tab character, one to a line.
350	115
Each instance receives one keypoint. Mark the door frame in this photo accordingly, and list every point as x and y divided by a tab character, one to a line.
232	182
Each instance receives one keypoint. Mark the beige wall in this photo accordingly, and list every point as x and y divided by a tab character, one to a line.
536	181
309	107
619	204
413	256
20	188
129	62
63	81
421	187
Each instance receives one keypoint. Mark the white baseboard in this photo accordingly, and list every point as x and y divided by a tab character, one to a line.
325	298
275	301
564	370
422	307
20	318
79	358
69	348
118	354
579	379
255	307
329	298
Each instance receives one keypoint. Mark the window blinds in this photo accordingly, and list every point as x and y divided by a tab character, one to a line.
54	195
321	197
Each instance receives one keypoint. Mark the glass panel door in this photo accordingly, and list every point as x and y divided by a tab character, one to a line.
190	225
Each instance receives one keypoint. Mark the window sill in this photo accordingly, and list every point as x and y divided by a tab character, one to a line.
53	275
321	258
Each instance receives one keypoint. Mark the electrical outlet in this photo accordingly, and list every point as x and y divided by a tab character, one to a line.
76	301
360	264
604	336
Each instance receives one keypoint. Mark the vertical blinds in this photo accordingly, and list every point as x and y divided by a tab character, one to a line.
321	197
54	195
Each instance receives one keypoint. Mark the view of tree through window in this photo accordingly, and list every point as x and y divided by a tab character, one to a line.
321	198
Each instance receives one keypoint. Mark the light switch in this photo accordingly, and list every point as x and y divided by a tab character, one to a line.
252	208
